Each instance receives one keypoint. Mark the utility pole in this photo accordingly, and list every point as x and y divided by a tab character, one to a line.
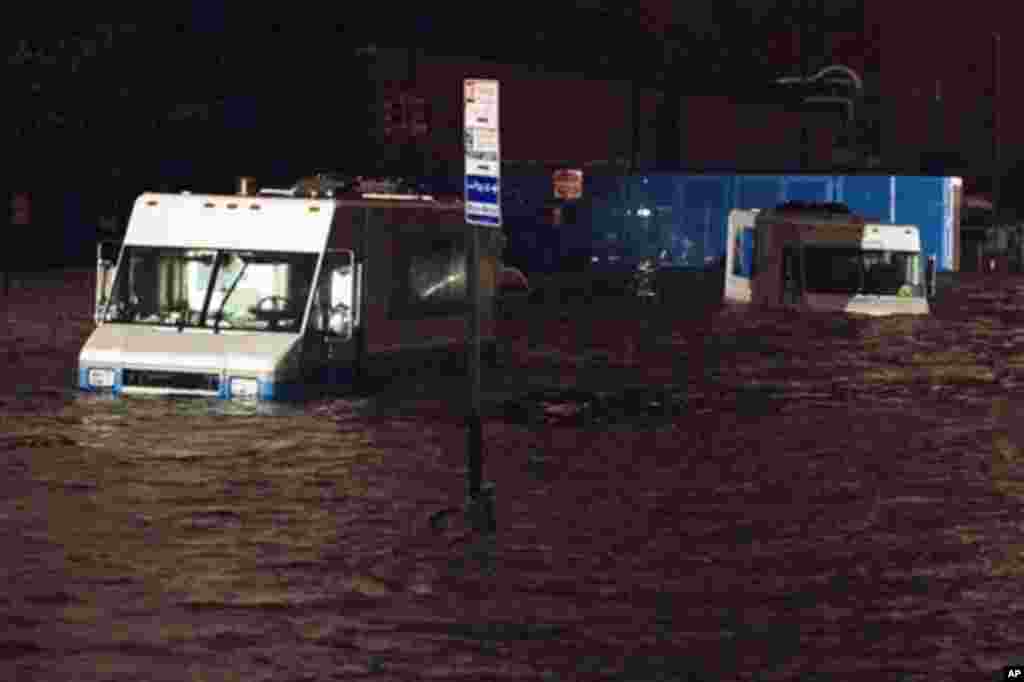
997	170
634	110
413	155
6	262
805	73
669	137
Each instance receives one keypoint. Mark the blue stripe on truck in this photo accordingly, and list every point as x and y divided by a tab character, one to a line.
335	379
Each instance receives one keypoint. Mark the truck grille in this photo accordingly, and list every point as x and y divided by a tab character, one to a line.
192	381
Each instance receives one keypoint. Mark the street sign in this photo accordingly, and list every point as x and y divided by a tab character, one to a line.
568	183
482	152
483	200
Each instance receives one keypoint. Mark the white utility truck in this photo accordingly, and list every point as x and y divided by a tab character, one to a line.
820	257
280	297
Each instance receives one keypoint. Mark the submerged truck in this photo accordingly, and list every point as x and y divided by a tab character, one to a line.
821	257
281	297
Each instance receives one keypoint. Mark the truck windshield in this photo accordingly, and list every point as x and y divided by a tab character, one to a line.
215	289
855	271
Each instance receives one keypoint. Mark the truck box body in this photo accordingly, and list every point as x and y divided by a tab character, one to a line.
279	296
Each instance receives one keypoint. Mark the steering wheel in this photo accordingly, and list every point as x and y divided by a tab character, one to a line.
279	308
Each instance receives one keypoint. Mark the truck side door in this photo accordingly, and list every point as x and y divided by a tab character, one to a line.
106	271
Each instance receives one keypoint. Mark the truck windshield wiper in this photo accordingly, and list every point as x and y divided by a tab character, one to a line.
219	315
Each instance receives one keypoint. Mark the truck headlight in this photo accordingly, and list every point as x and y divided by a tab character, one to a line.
244	388
101	378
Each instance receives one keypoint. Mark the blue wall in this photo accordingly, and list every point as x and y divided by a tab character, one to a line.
688	213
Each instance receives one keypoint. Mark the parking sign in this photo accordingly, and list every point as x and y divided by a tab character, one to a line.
482	152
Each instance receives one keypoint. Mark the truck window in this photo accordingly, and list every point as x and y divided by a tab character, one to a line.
834	270
737	253
430	277
186	288
852	271
744	263
892	273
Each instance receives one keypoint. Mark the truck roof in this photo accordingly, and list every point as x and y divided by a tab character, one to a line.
866	236
800	217
261	222
230	222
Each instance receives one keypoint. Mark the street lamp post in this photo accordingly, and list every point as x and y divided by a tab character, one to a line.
834	73
996	160
805	73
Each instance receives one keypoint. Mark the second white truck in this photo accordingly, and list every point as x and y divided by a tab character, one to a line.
823	258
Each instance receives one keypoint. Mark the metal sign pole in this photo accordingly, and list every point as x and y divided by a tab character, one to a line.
474	443
997	170
482	188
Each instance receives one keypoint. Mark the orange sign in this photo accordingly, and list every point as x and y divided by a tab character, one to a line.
568	184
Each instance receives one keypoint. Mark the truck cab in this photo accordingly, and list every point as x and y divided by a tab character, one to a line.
823	258
279	297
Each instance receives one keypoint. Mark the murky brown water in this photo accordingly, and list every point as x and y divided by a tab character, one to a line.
834	496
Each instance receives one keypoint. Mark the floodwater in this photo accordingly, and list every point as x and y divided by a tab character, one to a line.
736	495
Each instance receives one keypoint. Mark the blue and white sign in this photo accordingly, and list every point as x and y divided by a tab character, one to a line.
483	200
482	152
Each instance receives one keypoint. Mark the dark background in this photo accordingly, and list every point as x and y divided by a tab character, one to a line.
101	109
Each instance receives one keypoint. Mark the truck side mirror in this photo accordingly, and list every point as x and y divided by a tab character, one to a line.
106	270
339	323
334	303
929	277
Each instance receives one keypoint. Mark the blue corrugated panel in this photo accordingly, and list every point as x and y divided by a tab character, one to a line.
816	188
920	201
706	201
657	194
522	200
867	195
524	193
758	191
654	189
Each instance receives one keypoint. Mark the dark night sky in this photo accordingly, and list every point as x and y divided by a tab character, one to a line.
227	80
